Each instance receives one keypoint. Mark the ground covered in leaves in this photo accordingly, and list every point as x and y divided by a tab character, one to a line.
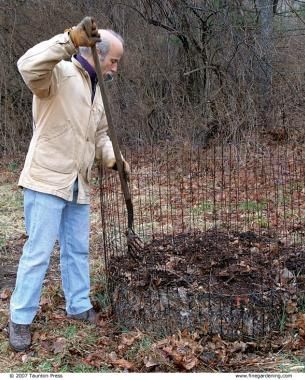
60	345
237	283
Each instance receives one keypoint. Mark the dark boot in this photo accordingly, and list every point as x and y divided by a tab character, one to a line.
19	336
87	316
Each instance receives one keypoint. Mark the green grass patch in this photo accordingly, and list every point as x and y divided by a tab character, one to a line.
91	338
11	213
296	186
29	366
263	222
253	206
70	332
4	347
301	304
102	299
143	345
10	197
45	366
283	318
13	166
292	364
203	207
82	367
2	243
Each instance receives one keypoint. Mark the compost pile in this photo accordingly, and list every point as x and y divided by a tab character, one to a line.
233	284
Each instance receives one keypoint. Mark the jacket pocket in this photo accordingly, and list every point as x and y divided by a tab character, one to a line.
54	151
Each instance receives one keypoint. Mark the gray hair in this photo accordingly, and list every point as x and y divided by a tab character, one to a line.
102	47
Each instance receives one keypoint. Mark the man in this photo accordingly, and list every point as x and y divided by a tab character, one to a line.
70	130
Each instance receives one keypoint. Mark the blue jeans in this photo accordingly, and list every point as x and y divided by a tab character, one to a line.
49	218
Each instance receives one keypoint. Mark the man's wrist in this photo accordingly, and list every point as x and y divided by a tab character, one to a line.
70	33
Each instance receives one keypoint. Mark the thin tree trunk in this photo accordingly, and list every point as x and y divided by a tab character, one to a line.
264	54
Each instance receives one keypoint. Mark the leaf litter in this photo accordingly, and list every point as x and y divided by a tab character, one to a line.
106	347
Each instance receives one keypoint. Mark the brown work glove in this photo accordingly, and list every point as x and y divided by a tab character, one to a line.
85	33
126	169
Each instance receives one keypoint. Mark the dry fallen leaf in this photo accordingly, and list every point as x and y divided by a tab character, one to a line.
122	363
104	341
35	336
113	356
183	351
59	345
150	362
189	363
238	346
24	358
300	324
95	359
128	340
291	307
45	303
5	294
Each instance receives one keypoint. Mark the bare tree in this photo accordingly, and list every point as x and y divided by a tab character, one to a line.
265	51
193	70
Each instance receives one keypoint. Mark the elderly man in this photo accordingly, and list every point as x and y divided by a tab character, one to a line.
70	130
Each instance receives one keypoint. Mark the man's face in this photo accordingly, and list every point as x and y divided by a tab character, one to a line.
109	64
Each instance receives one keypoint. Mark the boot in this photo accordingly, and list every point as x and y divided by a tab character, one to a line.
87	316
19	336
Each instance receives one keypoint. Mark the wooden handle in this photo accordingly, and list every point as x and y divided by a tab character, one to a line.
112	134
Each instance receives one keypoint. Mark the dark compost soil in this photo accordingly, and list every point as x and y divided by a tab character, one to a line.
232	284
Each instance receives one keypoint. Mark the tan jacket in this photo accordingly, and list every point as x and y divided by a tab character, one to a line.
69	131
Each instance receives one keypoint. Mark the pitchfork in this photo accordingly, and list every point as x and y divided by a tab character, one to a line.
134	243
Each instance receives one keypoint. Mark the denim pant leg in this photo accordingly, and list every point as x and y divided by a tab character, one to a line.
74	260
42	218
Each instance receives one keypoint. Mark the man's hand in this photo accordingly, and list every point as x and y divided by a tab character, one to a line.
85	33
126	169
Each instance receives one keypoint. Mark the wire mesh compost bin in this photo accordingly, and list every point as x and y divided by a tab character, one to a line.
224	240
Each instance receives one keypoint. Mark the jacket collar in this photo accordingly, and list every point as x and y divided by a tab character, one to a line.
86	65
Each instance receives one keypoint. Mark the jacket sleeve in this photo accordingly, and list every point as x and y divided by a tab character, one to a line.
38	65
103	146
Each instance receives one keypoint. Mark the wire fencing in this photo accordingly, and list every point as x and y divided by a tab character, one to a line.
224	239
